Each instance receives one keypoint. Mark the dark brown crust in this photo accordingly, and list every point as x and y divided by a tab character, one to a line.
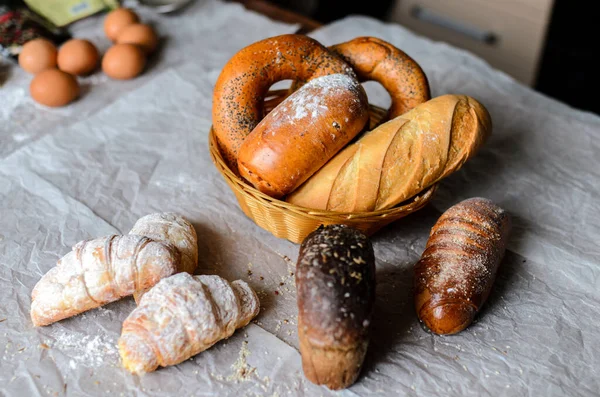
335	281
377	60
458	267
244	81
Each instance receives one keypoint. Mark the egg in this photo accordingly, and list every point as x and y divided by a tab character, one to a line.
123	61
53	87
37	55
116	20
78	57
139	34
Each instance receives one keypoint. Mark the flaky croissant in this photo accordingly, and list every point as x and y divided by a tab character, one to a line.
174	229
181	316
97	272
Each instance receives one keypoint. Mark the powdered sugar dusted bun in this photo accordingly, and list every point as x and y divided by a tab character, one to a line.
97	272
240	90
182	316
335	281
171	228
302	133
457	270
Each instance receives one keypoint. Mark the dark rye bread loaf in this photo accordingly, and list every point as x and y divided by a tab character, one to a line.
457	270
335	281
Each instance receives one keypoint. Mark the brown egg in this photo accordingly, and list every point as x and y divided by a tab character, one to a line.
139	34
78	57
123	61
116	20
53	87
37	55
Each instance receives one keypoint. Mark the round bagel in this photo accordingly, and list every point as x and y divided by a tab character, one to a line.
240	90
377	60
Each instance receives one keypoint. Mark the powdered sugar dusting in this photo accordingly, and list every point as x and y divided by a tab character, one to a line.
172	228
311	102
464	246
88	350
199	310
97	272
457	274
304	101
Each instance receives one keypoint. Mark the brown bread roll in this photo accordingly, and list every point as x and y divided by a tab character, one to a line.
377	60
302	133
335	281
457	270
400	158
240	90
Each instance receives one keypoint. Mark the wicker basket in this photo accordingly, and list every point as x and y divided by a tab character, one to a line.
294	223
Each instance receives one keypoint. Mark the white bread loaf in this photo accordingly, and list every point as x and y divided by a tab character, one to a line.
400	158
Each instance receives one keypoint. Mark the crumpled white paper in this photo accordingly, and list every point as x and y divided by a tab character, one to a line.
127	149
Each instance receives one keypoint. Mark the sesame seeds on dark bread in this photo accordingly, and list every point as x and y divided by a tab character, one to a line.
335	281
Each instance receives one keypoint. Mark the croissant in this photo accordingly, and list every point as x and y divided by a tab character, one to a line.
171	228
97	272
400	158
181	316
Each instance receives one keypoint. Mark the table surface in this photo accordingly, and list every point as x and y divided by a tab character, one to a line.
129	148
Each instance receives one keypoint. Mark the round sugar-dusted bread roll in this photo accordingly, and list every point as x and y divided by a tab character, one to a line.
302	133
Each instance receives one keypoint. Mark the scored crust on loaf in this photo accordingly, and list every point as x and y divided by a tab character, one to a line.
358	180
457	269
400	158
442	134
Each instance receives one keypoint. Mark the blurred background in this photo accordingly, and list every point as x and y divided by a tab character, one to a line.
549	45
